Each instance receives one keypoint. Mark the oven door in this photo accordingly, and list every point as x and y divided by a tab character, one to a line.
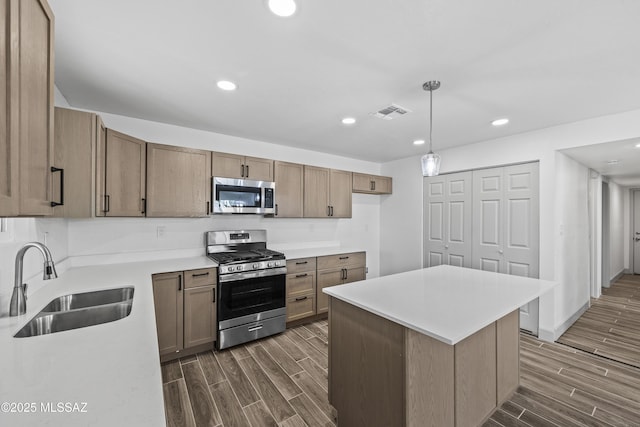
243	196
243	299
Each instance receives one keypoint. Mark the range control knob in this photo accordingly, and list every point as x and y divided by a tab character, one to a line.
269	264
230	268
256	266
238	268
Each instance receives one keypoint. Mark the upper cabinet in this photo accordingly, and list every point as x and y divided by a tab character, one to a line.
327	193
371	184
241	167
76	138
123	160
178	181
289	179
26	108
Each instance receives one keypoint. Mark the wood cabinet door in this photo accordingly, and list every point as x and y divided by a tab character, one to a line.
324	279
75	140
258	169
354	274
125	169
362	183
177	181
35	105
340	193
9	143
168	302
101	158
199	316
227	165
316	192
382	184
289	179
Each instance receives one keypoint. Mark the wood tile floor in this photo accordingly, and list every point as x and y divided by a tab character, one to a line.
282	381
277	381
611	326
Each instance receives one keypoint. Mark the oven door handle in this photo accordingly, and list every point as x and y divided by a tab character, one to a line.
255	328
234	277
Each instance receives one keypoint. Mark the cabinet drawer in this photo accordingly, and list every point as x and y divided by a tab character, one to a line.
301	307
341	260
300	284
201	277
300	265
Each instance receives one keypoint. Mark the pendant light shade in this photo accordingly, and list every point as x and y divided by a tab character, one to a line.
431	161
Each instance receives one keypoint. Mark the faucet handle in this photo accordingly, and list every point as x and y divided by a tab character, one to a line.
49	271
24	290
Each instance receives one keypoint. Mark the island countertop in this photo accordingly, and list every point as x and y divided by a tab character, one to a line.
445	302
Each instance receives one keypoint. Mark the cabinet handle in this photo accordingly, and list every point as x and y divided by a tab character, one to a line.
301	298
302	262
207	209
371	185
247	171
179	282
344	257
276	209
144	205
200	274
54	170
107	203
328	210
374	185
214	295
331	210
344	272
302	275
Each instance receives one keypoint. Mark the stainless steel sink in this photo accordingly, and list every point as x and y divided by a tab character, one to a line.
89	299
79	311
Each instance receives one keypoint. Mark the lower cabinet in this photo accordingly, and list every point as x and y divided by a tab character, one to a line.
335	270
185	306
301	288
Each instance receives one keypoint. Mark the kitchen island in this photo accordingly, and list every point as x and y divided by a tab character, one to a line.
431	347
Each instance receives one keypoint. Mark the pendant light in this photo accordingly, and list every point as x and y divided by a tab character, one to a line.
430	161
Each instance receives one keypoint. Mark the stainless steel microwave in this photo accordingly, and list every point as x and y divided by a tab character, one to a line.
243	196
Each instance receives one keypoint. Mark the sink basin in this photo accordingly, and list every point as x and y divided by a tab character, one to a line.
80	310
49	323
89	299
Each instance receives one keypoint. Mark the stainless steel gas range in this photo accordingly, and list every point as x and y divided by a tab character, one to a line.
251	286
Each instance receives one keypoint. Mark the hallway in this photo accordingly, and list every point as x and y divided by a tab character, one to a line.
611	326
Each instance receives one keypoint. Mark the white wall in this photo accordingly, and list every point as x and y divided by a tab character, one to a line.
618	242
537	145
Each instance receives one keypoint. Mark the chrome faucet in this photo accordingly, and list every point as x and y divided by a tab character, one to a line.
18	298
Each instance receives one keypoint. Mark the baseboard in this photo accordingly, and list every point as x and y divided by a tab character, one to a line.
570	321
617	276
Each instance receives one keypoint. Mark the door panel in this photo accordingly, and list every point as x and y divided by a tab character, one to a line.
456	260
433	211
199	316
487	264
636	232
436	227
487	219
168	302
435	258
125	174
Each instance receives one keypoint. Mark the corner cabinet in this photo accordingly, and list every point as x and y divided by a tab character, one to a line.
178	183
327	193
241	167
122	160
185	307
26	108
76	137
335	270
289	179
371	184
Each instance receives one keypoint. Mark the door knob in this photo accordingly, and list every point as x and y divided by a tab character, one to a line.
500	251
637	239
446	246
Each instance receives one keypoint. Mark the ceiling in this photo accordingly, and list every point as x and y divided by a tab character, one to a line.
541	63
619	160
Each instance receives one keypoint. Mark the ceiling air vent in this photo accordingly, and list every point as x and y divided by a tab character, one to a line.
390	112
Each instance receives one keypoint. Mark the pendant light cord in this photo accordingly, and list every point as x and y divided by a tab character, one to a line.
430	119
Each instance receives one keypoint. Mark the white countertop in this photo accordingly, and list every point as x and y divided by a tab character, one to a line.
113	367
314	252
445	302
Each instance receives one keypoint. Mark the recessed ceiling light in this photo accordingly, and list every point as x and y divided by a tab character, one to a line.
282	8
613	162
227	85
418	142
500	122
348	121
637	145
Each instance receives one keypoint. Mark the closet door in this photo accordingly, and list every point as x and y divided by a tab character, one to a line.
447	218
506	226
